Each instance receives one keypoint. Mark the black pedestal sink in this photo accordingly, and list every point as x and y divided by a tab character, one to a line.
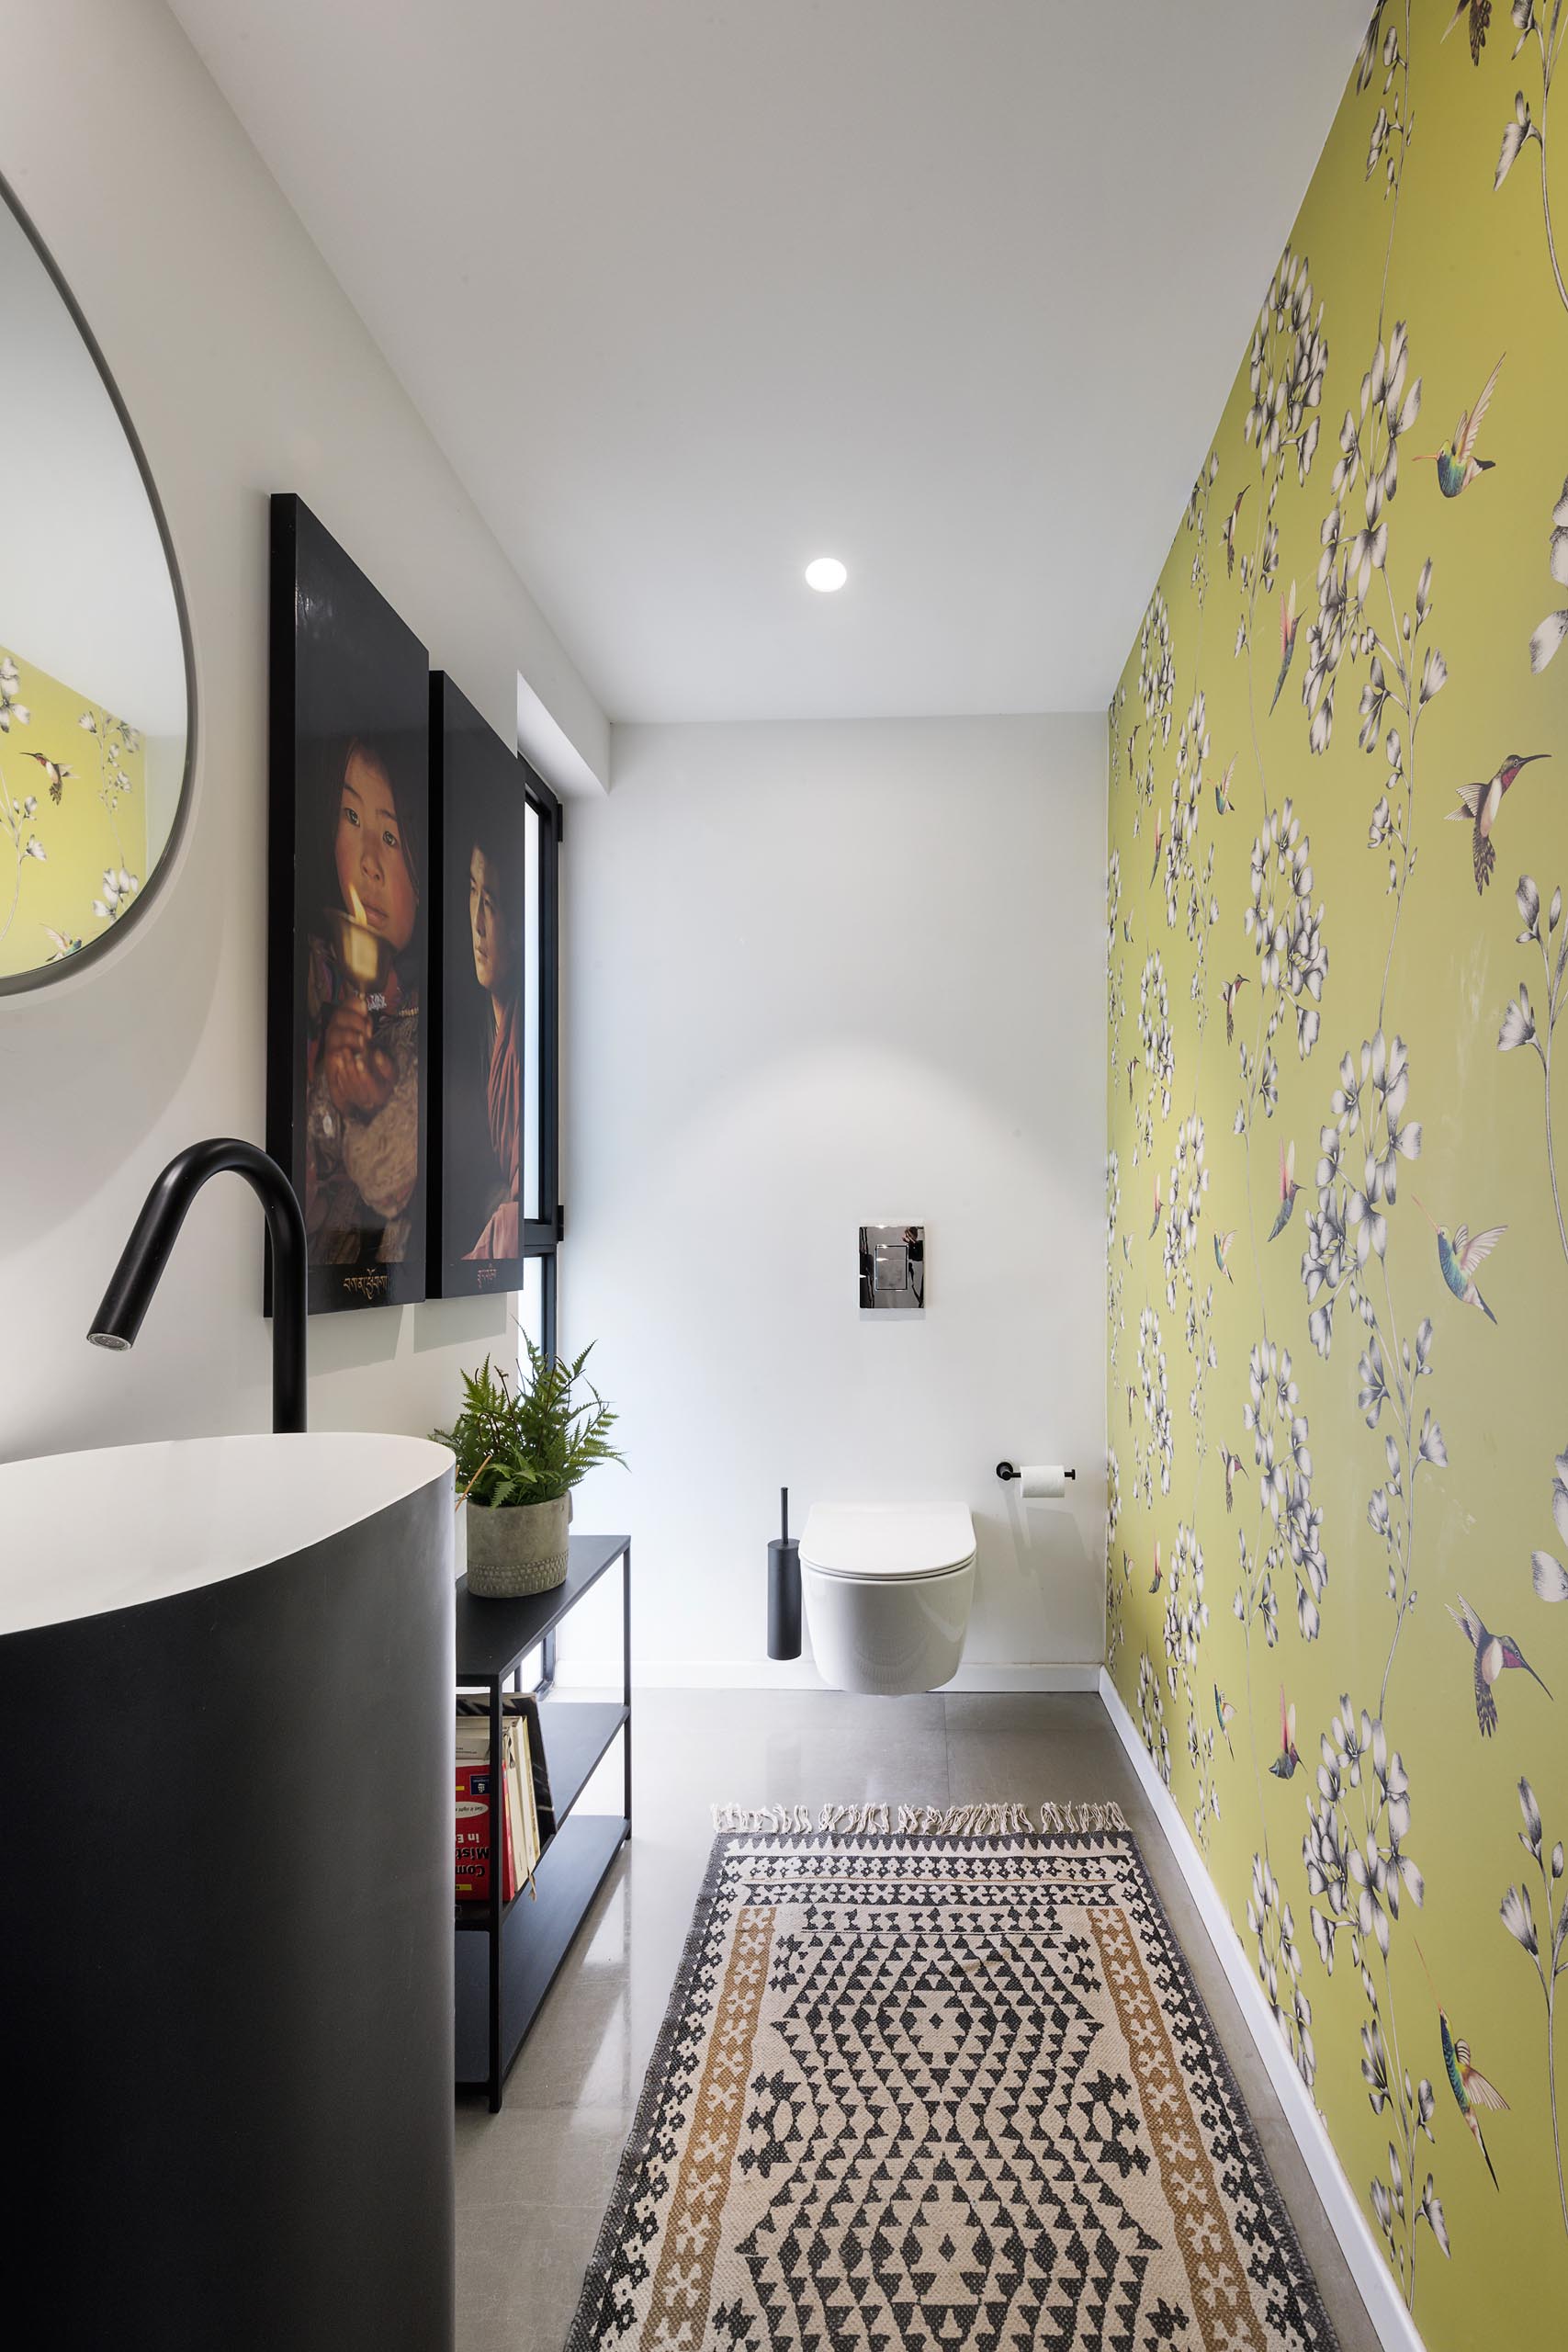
226	1902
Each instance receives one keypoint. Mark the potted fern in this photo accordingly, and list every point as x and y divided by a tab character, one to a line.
522	1446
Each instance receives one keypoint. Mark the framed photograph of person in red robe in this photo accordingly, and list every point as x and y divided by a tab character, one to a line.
478	820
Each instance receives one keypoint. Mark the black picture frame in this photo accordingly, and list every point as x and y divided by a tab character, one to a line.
348	1011
479	803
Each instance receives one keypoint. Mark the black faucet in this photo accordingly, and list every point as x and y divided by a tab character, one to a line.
146	1255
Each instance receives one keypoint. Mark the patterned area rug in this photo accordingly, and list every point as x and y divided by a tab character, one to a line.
939	2093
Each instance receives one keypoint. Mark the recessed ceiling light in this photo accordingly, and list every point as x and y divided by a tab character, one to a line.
825	574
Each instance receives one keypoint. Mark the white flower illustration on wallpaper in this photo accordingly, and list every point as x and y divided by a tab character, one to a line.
1273	1925
1519	1915
31	825
1520	1024
1551	632
14	712
1541	27
1282	1467
1196	520
1157	1042
1153	1460
1547	1572
1156	670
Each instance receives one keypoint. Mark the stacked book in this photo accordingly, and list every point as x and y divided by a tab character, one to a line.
527	1820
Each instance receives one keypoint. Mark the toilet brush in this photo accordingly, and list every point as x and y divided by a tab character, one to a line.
783	1589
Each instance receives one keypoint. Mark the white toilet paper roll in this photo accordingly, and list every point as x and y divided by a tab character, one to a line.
1041	1481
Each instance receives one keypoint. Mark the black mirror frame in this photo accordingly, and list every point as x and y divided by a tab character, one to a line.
94	951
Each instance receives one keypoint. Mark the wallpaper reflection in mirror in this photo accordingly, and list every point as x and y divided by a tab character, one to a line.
94	692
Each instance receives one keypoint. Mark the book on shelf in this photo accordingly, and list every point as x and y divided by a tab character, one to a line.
473	1786
527	1817
519	1839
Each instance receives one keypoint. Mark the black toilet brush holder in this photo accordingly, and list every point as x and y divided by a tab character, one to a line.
784	1588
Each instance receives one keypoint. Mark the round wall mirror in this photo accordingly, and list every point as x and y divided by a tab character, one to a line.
97	706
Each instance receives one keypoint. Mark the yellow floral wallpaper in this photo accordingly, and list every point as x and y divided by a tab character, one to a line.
1338	1176
73	816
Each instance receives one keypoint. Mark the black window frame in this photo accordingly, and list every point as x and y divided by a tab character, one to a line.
542	1235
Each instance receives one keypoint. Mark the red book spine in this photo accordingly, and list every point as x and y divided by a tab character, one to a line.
473	1837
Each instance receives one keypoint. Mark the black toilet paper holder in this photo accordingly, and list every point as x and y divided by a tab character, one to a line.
1006	1470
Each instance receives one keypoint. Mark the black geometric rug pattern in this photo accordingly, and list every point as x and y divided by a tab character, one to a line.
940	2093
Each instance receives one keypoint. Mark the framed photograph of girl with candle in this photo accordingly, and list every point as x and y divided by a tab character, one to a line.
478	923
348	984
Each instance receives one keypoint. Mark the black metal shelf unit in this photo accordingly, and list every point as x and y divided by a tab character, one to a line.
507	1953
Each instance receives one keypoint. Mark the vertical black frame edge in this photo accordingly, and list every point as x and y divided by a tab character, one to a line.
283	1111
550	806
435	990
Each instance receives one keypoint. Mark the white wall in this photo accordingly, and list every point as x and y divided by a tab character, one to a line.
245	370
817	975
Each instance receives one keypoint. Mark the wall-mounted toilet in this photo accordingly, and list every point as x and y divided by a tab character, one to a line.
887	1589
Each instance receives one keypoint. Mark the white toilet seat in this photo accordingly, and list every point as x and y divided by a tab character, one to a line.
885	1576
887	1589
888	1539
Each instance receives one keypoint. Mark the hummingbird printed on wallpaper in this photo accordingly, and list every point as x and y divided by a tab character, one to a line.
1457	465
1226	1714
1221	1253
1159	843
1223	804
1154	1586
1228	534
1494	1653
59	774
1234	1470
1459	1258
1480	14
1229	994
1289	1188
1290	622
1288	1762
1479	804
1155	1227
1468	2084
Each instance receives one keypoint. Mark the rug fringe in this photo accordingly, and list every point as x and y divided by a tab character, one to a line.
921	1820
1082	1817
762	1816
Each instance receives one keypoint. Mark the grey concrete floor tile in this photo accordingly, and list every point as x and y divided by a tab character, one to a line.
519	2279
527	2155
1034	1748
799	1748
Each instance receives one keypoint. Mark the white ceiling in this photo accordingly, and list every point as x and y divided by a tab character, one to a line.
692	290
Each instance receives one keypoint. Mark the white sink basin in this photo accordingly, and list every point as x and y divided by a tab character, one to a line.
81	1533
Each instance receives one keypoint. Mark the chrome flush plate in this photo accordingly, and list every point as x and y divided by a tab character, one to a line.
892	1268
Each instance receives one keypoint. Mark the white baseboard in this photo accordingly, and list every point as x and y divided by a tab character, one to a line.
1363	2251
983	1674
799	1674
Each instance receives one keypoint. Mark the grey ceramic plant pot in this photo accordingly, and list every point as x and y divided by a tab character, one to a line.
517	1549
